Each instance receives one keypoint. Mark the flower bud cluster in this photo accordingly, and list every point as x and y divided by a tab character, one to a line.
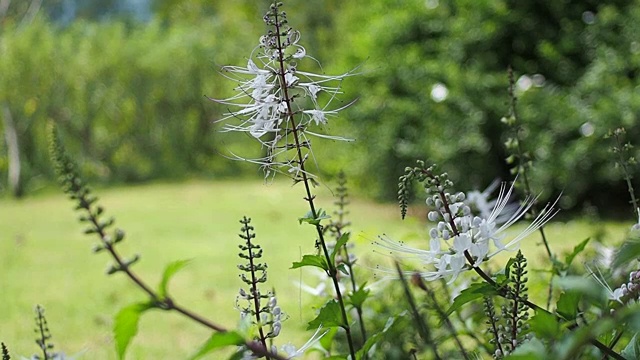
629	292
276	317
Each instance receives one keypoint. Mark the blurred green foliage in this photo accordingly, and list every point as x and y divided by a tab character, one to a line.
128	96
576	63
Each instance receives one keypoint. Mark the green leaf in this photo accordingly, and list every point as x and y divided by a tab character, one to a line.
169	271
339	244
217	341
329	316
507	268
308	217
545	325
238	355
632	350
359	296
581	285
576	250
567	305
473	292
630	250
373	340
533	349
126	325
327	339
312	260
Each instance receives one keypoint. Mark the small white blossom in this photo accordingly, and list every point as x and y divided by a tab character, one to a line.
635	229
291	351
614	295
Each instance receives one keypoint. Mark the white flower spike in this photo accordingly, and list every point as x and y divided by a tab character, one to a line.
472	234
276	103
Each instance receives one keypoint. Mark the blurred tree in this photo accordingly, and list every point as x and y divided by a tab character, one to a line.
435	86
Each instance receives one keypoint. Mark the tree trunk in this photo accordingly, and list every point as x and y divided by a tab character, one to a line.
13	153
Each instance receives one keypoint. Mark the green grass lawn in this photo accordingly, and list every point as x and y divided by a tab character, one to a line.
45	259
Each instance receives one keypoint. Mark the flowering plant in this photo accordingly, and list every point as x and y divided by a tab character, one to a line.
278	104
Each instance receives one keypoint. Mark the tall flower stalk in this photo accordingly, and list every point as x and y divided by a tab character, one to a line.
278	104
519	157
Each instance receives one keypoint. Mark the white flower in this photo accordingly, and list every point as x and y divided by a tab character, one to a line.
472	234
291	351
635	229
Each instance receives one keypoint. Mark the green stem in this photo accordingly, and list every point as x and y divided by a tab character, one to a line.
255	292
423	329
522	169
309	196
443	316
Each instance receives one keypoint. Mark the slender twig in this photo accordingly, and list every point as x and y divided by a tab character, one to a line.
522	167
493	329
337	228
441	314
614	341
423	328
620	149
468	332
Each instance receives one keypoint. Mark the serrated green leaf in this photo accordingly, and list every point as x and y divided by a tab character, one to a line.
576	250
358	297
339	244
219	340
545	325
330	316
310	219
632	350
169	271
533	349
312	260
125	325
567	305
473	292
501	279
343	269
630	250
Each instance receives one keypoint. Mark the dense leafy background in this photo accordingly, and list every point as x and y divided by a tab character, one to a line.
127	87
